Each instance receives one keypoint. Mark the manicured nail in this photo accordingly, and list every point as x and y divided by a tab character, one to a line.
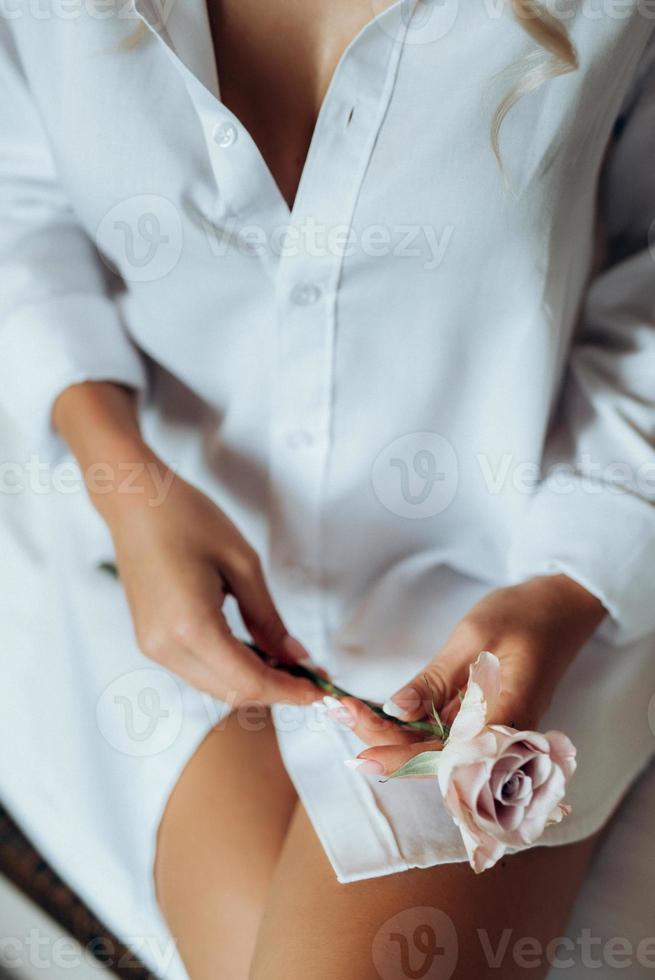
393	710
365	767
295	649
338	712
334	704
403	703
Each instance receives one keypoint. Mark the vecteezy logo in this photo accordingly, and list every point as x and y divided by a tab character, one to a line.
420	21
149	706
142	236
416	476
425	467
416	944
140	713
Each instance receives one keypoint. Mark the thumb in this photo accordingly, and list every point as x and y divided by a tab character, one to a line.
436	685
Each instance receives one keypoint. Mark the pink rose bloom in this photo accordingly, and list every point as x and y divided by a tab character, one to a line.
503	787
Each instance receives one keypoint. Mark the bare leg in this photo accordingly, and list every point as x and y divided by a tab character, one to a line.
417	924
218	844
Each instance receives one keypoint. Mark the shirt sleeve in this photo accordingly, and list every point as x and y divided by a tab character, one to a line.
593	515
58	322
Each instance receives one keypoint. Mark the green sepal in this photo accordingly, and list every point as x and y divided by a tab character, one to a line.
423	764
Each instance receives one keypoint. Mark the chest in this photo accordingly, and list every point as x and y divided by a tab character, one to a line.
402	148
275	62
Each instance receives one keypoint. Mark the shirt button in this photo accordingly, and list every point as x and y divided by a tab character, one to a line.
305	293
299	439
225	134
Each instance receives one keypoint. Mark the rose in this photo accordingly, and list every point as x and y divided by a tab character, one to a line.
536	629
503	787
508	792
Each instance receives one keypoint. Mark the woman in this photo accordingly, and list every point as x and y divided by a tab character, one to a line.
305	292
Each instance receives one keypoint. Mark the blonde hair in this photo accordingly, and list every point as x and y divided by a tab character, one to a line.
551	35
539	23
139	33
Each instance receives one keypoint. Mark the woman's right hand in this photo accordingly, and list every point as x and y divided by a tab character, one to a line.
177	561
179	556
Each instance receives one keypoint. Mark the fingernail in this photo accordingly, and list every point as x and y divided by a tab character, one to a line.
295	649
403	703
365	767
332	703
338	712
393	710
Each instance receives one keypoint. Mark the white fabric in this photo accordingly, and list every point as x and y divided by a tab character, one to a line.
371	410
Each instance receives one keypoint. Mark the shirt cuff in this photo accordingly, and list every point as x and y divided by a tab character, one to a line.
54	343
601	536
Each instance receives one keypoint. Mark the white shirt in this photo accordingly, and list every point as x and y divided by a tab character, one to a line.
421	314
416	396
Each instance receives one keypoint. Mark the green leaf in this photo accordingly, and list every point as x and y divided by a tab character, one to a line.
423	764
441	729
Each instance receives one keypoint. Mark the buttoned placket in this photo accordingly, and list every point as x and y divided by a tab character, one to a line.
305	280
306	299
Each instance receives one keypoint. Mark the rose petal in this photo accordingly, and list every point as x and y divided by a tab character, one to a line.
503	770
498	778
485	805
463	796
538	769
483	850
525	789
534	741
480	698
470	779
563	752
510	818
514	787
544	800
456	755
557	815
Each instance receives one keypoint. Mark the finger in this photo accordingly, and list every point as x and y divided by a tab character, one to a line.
246	581
244	691
274	685
437	684
383	760
370	727
239	674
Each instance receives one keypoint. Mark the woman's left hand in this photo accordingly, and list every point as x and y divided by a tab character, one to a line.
535	629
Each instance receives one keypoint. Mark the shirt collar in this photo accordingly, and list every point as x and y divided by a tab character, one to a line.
183	26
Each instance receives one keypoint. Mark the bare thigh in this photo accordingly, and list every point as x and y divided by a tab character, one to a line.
430	924
218	844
